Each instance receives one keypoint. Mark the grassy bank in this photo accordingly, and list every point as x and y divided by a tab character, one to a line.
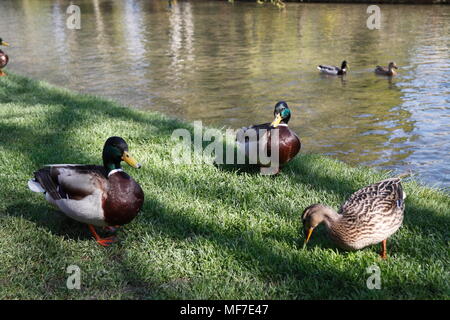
205	231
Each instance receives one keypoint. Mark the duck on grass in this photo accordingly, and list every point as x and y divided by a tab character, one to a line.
204	231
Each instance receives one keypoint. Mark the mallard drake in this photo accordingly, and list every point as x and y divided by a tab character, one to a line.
387	71
3	57
254	137
333	70
96	195
369	216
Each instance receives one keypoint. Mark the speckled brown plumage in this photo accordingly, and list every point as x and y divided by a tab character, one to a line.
369	216
387	71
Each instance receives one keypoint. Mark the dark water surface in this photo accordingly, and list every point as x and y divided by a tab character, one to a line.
227	64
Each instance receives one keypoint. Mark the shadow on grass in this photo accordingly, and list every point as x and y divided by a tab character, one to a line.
55	142
253	252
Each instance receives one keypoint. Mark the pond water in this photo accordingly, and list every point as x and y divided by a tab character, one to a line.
227	64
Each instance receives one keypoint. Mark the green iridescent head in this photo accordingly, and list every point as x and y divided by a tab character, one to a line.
282	114
115	151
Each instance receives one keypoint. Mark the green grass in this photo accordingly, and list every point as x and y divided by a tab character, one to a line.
205	232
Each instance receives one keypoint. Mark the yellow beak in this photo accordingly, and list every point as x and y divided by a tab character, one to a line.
130	160
277	121
310	230
6	44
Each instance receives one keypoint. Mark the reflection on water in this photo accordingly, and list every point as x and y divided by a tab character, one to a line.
227	64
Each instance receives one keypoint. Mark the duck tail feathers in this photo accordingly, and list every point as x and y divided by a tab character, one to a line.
35	186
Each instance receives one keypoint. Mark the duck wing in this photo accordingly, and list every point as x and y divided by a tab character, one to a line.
384	197
72	181
242	132
249	139
381	69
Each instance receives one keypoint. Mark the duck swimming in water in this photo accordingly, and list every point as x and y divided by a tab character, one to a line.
333	70
387	71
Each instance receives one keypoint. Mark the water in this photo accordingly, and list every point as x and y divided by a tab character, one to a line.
228	64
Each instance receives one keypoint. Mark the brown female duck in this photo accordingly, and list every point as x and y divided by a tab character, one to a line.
387	71
369	216
260	136
96	195
3	58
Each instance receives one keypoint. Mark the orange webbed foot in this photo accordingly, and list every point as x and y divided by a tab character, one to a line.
106	242
102	241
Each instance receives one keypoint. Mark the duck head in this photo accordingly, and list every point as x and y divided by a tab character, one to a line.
3	43
115	151
314	215
282	114
344	65
392	65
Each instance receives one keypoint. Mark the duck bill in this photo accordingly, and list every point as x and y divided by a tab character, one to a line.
308	235
130	160
6	44
277	121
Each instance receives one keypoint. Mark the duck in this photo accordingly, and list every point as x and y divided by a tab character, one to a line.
3	57
387	71
333	70
99	196
250	139
370	216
